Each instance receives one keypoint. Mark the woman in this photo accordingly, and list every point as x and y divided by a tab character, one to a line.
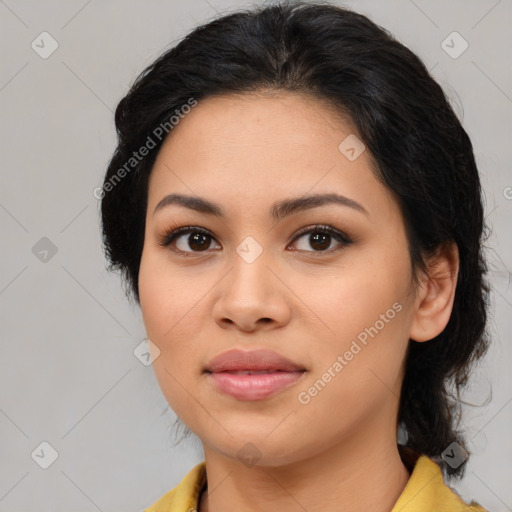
297	211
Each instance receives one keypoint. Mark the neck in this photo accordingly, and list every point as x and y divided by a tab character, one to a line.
353	476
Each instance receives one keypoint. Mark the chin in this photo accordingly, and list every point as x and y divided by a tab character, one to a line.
257	448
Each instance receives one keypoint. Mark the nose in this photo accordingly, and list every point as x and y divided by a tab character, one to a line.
251	297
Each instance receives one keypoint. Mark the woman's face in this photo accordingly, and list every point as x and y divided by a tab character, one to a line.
339	307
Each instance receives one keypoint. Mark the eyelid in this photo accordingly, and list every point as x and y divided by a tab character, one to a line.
174	232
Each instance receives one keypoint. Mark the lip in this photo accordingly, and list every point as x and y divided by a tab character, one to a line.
255	360
230	373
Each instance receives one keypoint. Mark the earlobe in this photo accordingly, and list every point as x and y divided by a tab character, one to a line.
436	294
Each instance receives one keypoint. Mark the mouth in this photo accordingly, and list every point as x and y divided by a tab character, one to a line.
252	375
253	385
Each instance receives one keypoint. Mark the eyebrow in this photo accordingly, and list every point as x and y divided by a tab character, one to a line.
278	210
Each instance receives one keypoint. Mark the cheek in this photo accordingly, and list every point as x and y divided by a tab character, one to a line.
363	311
170	314
161	313
358	372
366	291
166	299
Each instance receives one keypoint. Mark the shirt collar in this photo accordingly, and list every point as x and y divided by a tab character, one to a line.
425	490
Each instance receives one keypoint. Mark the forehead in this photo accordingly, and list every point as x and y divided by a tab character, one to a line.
249	147
255	119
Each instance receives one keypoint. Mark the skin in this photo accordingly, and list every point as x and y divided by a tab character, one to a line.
338	451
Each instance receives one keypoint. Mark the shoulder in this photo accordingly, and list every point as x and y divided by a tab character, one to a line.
427	491
184	497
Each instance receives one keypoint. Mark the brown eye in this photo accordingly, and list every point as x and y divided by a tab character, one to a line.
320	238
188	239
320	241
195	241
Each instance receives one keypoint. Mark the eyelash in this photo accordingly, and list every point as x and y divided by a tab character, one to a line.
172	233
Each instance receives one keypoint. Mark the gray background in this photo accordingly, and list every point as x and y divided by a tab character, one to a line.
68	374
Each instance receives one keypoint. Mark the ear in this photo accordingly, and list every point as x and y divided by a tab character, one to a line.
435	294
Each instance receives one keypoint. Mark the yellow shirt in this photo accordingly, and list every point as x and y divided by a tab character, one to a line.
425	491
